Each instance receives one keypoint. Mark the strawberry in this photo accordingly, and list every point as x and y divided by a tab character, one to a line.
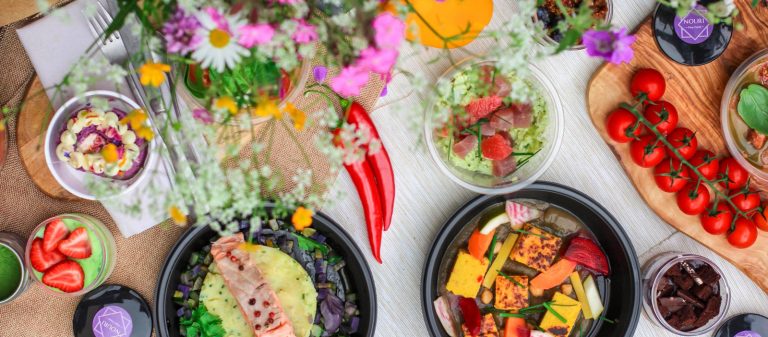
54	232
77	245
66	276
482	107
588	254
42	260
496	147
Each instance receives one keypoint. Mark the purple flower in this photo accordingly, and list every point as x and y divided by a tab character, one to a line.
390	31
614	46
319	72
349	81
202	115
304	33
378	60
179	33
255	34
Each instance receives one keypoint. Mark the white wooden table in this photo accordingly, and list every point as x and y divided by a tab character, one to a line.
426	198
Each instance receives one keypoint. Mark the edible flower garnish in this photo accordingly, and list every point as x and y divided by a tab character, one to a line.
225	103
267	107
299	117
177	216
109	152
153	74
302	218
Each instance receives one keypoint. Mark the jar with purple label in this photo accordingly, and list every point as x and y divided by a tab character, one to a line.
691	39
112	311
744	325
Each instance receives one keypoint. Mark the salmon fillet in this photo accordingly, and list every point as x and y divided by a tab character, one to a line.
258	302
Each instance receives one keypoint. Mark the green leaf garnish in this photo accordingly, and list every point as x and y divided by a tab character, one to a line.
309	245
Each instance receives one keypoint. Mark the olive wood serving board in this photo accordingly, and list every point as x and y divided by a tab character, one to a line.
696	92
31	125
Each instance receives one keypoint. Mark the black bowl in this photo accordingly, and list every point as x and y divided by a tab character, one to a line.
623	300
358	274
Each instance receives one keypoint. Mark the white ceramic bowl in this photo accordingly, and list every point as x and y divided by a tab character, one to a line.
76	181
521	178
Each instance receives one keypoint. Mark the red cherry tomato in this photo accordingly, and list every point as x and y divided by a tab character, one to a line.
622	126
671	175
647	151
744	234
684	140
662	114
746	200
706	162
736	176
693	199
761	219
717	221
649	82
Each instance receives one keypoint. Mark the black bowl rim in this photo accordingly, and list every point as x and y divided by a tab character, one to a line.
329	225
441	240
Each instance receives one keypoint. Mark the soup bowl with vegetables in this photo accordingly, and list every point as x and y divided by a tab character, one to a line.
544	261
266	279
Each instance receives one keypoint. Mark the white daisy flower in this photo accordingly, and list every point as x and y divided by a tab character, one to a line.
219	48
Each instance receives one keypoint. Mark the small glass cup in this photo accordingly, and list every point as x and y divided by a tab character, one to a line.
655	269
16	246
102	246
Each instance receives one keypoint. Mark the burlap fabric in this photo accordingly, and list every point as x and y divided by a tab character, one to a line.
139	259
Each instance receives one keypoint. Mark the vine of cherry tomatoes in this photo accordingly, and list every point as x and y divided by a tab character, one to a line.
717	190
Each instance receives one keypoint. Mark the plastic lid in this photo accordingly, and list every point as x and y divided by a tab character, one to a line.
744	325
691	40
112	311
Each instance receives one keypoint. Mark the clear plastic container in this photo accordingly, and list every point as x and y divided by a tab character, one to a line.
98	267
520	178
545	40
730	118
15	245
655	269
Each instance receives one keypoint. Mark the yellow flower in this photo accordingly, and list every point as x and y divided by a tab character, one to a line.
153	73
145	132
226	103
302	218
135	118
267	107
109	152
299	117
2	124
178	216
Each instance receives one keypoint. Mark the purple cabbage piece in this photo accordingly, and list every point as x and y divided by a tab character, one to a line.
354	324
331	308
180	312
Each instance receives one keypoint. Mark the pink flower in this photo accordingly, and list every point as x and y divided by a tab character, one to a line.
349	81
218	19
614	46
378	60
305	33
202	115
390	31
255	34
288	2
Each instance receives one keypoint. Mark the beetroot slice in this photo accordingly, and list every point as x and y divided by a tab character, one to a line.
588	254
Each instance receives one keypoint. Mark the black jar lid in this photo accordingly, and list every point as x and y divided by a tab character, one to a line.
744	325
691	40
112	311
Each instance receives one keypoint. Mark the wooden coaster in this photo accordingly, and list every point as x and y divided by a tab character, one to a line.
33	119
696	92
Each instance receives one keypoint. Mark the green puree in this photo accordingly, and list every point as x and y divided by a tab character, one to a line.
527	140
92	265
10	272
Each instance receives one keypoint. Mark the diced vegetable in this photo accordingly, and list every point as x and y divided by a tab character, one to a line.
578	288
519	214
443	311
493	223
536	248
561	315
488	326
511	292
593	296
516	327
555	275
478	244
588	254
471	314
467	275
499	261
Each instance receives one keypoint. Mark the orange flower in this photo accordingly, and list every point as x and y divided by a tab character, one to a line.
109	152
299	117
177	216
153	73
302	218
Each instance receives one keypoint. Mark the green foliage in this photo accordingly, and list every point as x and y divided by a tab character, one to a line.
753	107
203	324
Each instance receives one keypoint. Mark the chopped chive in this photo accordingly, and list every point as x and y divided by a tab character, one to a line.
490	251
602	318
555	313
510	314
522	231
531	307
562	305
511	279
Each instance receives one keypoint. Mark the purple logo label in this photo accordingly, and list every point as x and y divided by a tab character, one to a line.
112	321
694	28
747	333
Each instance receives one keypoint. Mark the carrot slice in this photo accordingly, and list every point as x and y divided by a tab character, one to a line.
478	244
516	327
555	275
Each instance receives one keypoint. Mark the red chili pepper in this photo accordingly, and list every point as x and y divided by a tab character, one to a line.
365	183
380	163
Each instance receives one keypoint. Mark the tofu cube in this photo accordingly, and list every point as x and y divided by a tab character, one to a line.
509	295
536	248
568	308
467	275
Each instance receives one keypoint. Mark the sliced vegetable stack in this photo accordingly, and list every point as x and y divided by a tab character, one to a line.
519	274
718	190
